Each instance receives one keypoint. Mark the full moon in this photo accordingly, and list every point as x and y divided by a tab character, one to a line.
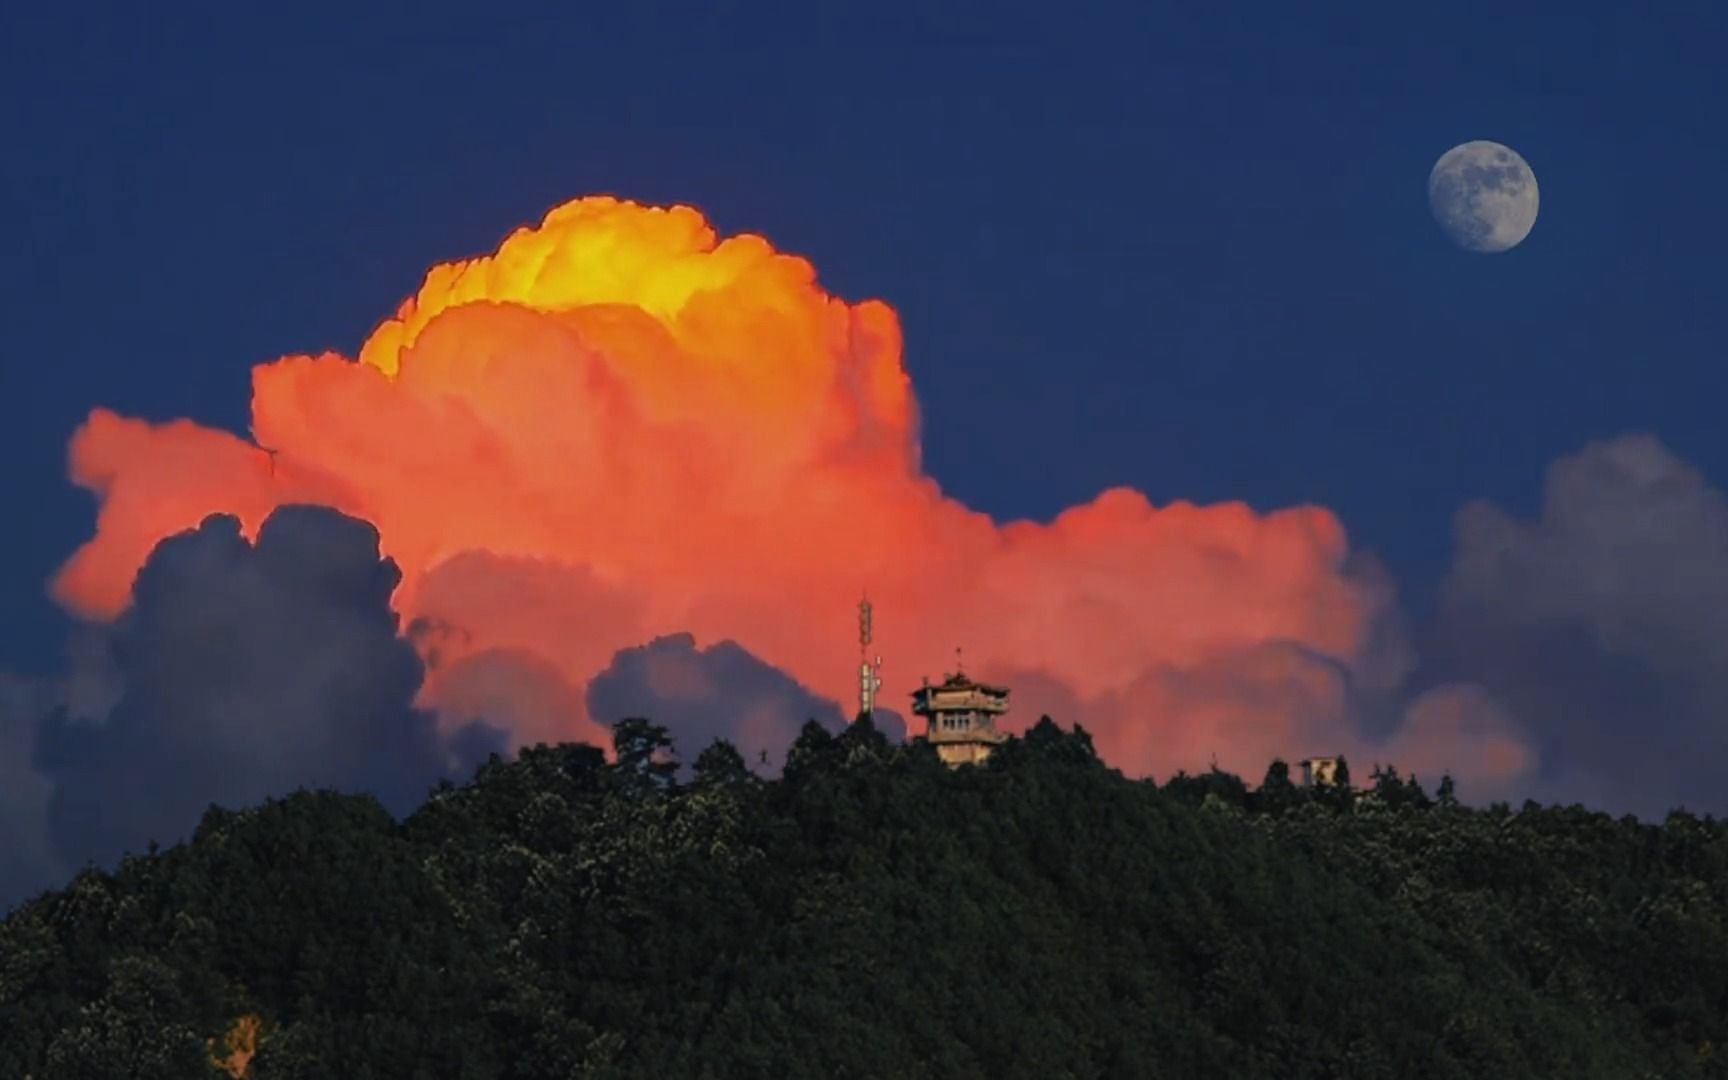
1483	195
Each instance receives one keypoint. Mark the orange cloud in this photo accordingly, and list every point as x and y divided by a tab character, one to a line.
621	425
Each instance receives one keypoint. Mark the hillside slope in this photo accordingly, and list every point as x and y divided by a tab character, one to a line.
873	913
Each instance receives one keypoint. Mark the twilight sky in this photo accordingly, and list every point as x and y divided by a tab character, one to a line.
1188	254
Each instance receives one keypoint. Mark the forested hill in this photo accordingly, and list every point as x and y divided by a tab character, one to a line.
875	914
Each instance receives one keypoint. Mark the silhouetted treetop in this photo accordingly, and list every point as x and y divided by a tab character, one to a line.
876	913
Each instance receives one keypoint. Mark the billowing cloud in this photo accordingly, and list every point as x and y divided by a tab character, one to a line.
621	426
245	671
718	692
1601	626
27	862
527	696
1460	729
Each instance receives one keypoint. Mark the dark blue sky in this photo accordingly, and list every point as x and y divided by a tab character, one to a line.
1185	252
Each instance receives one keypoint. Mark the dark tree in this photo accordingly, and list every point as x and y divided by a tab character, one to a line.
812	750
1277	792
1415	794
720	765
1397	791
862	740
644	754
1447	793
1048	741
1042	916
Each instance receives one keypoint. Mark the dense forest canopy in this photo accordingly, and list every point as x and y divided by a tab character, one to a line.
874	913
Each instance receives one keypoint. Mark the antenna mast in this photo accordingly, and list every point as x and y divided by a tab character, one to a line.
869	675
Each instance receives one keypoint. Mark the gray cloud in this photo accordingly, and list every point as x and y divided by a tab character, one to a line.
27	862
519	691
1602	627
722	691
245	671
1589	643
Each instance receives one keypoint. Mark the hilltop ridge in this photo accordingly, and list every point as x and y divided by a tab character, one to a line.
873	912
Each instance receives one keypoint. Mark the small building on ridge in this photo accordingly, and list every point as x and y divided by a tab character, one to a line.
960	717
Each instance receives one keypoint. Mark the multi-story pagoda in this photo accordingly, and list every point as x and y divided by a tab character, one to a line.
960	717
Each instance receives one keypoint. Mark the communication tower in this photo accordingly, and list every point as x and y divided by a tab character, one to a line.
869	675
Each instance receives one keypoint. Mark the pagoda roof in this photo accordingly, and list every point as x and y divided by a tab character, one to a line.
959	681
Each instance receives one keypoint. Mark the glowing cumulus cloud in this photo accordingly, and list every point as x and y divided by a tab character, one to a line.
620	426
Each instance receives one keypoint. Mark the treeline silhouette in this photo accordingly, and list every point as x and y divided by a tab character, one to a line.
872	913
